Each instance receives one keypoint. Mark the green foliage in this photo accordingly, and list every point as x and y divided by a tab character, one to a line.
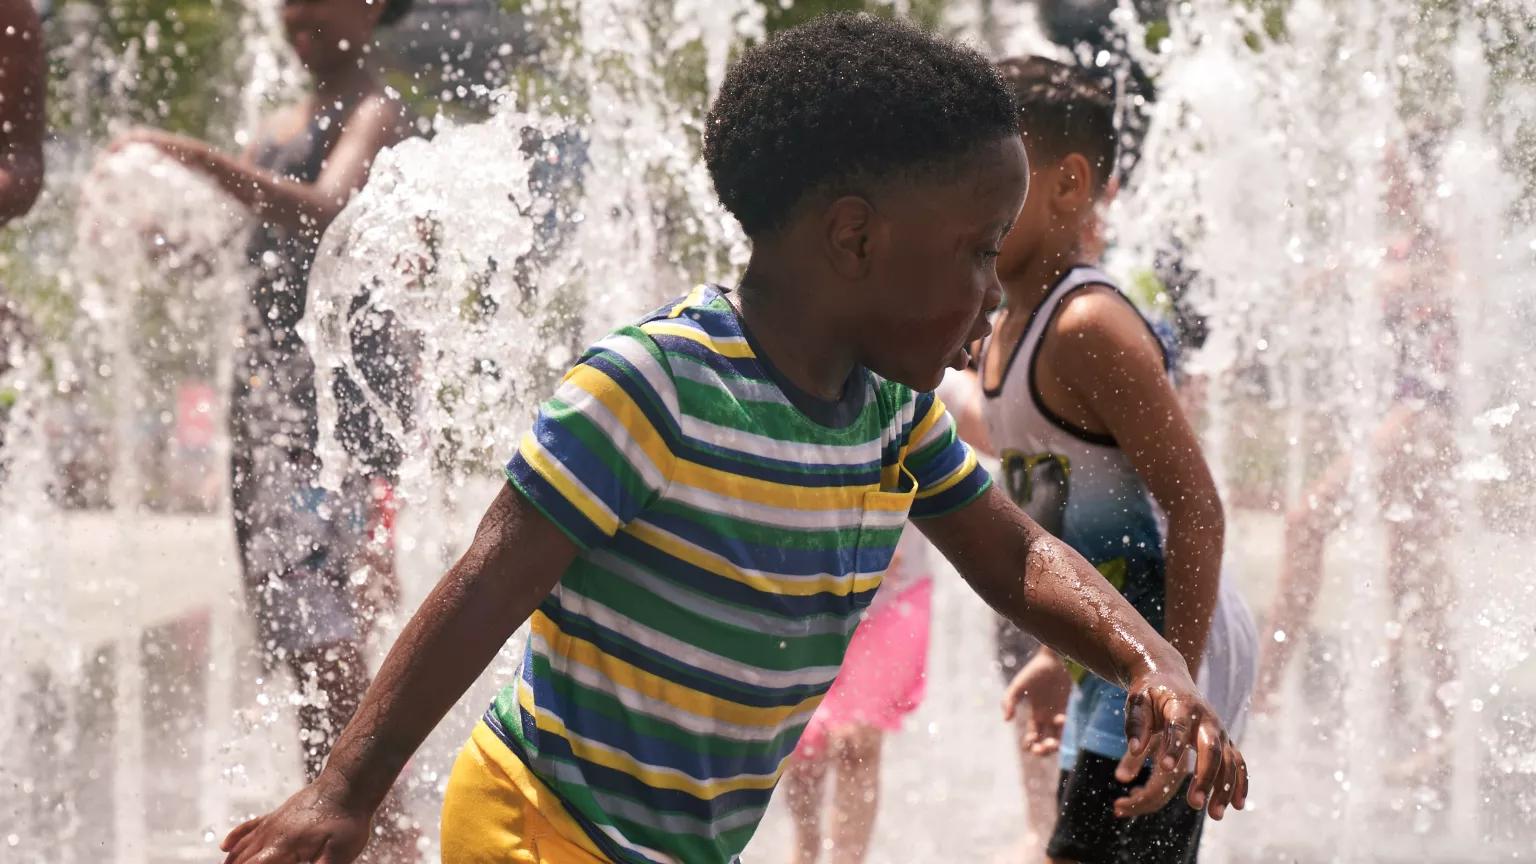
170	62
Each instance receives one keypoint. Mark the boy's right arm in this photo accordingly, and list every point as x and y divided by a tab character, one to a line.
516	559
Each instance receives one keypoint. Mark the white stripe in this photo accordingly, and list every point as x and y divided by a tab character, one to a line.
677	649
661	709
940	428
740	440
646	363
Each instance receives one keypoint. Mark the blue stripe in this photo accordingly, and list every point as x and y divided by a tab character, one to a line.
621	647
953	498
695	762
778	560
708	584
600	777
809	474
555	507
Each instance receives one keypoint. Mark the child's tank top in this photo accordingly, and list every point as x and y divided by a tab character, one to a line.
1077	484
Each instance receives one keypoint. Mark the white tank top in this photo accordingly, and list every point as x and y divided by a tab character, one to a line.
1081	487
1077	484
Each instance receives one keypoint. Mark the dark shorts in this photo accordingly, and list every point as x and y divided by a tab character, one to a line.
1088	831
1014	648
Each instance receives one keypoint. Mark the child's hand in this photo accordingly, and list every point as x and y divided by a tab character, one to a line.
1165	718
1152	795
1045	682
312	826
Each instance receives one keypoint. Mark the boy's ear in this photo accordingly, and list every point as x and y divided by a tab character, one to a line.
846	232
1074	181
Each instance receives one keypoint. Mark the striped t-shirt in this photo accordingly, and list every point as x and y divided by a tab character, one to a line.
731	531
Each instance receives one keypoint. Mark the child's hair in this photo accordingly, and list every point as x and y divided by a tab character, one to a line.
1062	110
842	103
394	10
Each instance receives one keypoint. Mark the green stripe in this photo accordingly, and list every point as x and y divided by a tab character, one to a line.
749	647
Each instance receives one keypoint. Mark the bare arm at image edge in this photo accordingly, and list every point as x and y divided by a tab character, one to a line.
23	121
516	559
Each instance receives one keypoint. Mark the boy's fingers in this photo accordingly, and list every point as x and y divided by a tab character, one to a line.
1138	727
1210	748
233	837
1240	795
1129	767
1180	726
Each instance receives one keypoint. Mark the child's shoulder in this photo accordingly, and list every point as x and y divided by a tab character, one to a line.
1097	316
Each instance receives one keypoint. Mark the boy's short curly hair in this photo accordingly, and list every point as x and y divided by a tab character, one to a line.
841	102
1064	109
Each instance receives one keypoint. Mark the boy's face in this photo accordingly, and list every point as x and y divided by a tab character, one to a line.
327	34
1057	213
932	266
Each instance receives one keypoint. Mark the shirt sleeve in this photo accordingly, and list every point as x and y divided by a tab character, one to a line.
948	475
600	450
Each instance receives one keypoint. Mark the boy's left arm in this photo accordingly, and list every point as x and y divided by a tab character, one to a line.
1047	589
1120	377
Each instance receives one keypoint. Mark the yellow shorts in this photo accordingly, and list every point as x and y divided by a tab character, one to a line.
495	812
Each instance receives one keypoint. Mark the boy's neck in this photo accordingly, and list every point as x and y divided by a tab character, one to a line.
346	84
804	346
1026	288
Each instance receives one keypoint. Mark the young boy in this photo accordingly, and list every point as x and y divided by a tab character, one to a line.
1080	409
708	502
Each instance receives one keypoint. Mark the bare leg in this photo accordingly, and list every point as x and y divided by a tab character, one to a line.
802	785
1041	777
858	793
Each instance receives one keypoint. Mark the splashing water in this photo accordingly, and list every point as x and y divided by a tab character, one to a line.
505	247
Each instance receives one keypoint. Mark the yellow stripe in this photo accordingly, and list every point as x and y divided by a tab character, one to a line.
936	413
732	349
766	492
613	397
954	477
534	453
660	689
719	566
692	299
624	763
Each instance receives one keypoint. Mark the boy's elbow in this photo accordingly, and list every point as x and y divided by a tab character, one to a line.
20	188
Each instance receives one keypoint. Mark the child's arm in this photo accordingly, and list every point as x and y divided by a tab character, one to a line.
516	558
1116	370
374	125
1047	589
23	78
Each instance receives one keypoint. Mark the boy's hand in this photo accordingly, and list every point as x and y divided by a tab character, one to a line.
1152	795
1165	718
1045	682
312	826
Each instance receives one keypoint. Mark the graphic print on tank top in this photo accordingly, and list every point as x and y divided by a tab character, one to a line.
1076	484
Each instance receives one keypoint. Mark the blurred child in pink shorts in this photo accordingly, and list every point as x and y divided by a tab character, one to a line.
881	681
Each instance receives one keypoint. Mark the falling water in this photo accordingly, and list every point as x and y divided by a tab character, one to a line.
505	245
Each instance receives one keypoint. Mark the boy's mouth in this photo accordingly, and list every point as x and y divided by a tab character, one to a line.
962	360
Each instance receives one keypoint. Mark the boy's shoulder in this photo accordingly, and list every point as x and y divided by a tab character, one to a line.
698	337
1096	317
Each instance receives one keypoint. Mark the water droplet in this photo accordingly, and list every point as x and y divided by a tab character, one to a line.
1279	635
